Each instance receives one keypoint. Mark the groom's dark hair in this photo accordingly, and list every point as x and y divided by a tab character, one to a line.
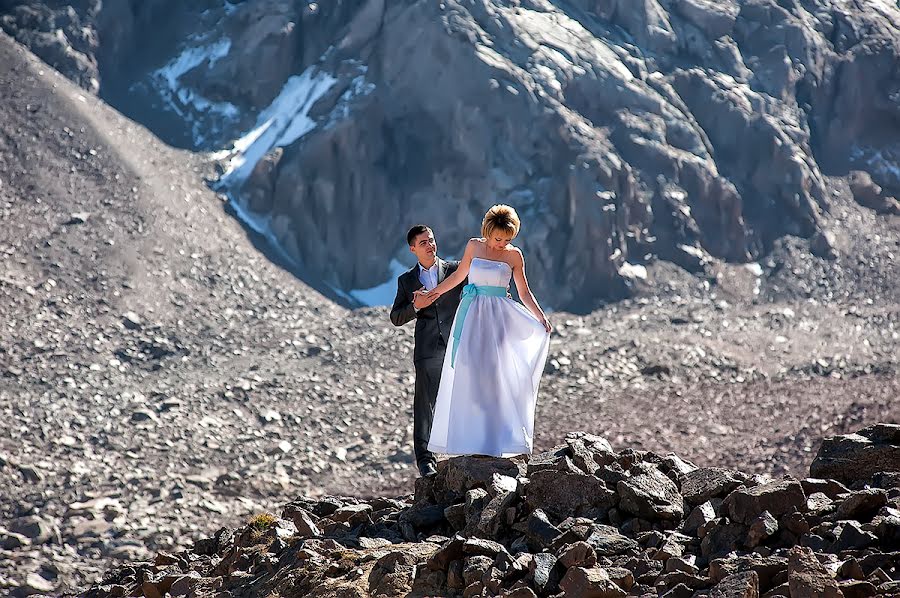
415	232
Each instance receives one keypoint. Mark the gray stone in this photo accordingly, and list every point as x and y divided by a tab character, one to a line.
650	494
567	494
737	585
861	505
37	530
699	516
808	578
540	533
607	541
303	520
761	529
778	498
702	484
853	458
545	572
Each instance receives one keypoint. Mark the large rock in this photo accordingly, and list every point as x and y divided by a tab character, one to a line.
702	484
569	494
808	578
650	494
855	458
737	585
591	582
778	498
457	475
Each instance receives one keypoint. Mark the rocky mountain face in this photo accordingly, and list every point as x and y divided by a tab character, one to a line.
581	520
626	133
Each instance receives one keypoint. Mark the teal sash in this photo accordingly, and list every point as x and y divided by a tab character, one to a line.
469	292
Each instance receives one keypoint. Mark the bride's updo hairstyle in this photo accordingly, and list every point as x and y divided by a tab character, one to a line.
502	218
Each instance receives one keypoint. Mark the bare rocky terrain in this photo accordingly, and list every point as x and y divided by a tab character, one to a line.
160	377
580	520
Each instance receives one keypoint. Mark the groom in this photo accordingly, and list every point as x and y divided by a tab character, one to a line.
434	317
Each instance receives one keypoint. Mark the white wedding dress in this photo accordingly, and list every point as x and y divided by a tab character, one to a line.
492	369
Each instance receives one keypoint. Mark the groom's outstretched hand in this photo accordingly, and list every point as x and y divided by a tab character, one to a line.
422	299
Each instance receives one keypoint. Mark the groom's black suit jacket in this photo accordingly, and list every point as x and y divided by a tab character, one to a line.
433	322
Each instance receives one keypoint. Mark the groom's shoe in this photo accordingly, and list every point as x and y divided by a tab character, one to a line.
427	468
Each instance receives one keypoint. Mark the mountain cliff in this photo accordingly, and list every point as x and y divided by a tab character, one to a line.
626	133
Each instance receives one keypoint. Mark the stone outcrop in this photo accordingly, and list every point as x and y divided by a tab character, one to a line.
625	133
763	538
856	458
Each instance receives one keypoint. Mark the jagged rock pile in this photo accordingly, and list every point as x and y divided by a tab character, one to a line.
579	520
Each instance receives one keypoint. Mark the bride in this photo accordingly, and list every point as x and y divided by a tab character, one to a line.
491	372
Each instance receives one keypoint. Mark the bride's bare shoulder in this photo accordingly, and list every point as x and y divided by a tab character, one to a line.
515	254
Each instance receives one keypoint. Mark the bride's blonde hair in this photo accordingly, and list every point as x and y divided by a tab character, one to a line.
500	217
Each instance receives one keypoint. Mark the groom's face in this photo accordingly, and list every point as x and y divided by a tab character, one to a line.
425	247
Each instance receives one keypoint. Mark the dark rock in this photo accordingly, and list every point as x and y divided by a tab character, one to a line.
480	546
649	493
621	576
565	494
737	585
392	574
503	495
767	569
540	532
589	452
761	528
857	589
778	498
423	517
303	520
456	516
577	554
352	514
705	483
545	572
853	537
853	458
829	488
861	505
451	551
808	578
459	474
607	541
722	538
699	516
557	459
475	567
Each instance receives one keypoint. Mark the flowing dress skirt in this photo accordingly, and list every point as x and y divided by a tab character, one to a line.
486	400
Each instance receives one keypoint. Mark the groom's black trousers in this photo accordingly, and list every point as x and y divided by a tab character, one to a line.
428	378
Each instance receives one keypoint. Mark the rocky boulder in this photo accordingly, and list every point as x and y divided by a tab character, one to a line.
472	530
854	458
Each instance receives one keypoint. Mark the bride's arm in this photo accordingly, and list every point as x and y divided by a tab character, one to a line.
524	290
459	275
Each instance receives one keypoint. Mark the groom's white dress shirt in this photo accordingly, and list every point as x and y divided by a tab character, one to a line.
429	276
